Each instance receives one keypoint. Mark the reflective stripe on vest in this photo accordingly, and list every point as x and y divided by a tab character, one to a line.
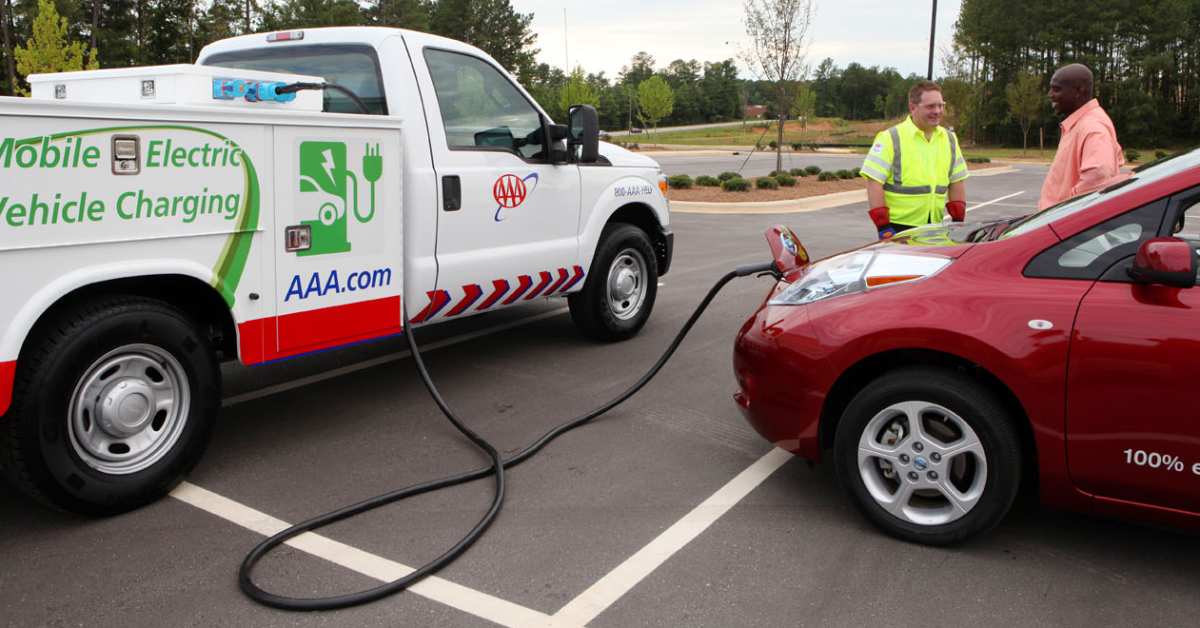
895	187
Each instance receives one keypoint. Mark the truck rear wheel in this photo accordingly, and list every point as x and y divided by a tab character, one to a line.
620	288
112	407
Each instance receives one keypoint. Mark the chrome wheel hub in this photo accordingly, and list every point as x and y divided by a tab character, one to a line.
627	279
922	463
129	409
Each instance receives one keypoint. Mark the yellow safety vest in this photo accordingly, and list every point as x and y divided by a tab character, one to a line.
915	172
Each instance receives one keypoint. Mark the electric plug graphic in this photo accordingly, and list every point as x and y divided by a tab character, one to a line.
372	169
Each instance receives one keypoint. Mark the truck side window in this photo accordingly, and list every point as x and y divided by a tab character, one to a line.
354	67
481	108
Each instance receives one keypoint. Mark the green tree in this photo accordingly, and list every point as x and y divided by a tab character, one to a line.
1025	100
778	30
10	68
494	27
577	91
47	50
411	14
804	105
656	99
292	14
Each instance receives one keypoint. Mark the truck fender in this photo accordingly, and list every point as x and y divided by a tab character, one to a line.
35	307
637	201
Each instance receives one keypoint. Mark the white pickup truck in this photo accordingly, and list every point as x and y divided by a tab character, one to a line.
155	220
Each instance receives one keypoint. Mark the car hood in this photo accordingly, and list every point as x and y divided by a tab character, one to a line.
939	235
624	158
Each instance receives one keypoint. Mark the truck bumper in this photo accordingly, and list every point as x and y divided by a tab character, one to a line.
664	247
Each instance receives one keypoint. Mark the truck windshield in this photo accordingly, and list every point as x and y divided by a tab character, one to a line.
354	67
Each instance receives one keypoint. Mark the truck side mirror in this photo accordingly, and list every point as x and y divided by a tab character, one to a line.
1166	261
584	141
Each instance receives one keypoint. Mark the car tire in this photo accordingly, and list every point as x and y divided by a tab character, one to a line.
619	292
114	404
929	455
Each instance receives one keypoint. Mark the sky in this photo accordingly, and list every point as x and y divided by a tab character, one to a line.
605	34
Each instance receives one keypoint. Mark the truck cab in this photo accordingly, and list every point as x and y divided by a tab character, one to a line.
495	209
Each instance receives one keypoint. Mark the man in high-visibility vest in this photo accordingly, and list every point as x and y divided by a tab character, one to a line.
915	172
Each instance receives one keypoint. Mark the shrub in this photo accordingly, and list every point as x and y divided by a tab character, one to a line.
736	184
798	172
855	171
707	181
680	181
979	160
772	173
725	176
772	144
766	183
786	180
797	146
813	170
827	176
1132	155
634	146
1159	154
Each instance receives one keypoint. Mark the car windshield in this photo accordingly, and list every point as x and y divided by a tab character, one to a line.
1126	182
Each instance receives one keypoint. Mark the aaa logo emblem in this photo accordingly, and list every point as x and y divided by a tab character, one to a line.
510	191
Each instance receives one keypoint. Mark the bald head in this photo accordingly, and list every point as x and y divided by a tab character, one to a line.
1070	88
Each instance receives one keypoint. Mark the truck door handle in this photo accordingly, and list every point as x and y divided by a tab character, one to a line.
451	193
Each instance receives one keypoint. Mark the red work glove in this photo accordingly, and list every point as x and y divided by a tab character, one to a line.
957	210
882	217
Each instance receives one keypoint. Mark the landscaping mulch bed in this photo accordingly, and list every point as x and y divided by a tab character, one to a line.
804	188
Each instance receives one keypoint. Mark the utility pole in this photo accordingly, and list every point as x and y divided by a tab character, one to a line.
932	27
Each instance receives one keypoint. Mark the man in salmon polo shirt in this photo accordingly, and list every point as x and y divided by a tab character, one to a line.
1088	154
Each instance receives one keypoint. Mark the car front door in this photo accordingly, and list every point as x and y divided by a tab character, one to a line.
1133	428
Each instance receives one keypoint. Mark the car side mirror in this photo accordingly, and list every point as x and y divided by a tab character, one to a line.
1166	261
584	134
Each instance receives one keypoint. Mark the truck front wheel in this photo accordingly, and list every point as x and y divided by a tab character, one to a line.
620	288
113	406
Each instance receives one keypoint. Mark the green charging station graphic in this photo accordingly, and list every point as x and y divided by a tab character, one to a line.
328	189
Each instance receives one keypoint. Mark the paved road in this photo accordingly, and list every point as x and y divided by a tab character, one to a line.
615	502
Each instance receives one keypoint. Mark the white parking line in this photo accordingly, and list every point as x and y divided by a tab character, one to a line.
454	595
584	608
995	200
589	604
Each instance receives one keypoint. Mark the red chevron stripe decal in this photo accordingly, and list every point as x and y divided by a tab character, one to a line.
574	279
545	281
562	276
472	294
437	300
525	282
500	287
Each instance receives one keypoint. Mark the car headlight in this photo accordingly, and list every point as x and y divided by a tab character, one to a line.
856	272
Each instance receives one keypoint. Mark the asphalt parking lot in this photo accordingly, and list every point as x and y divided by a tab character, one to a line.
668	511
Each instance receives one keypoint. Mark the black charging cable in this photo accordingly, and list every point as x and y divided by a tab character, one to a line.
496	468
295	87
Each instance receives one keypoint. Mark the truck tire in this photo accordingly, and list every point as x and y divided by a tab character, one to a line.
620	288
113	405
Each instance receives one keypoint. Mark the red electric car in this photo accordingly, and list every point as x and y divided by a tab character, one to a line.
945	367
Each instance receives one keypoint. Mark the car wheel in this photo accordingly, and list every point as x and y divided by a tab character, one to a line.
929	455
113	406
620	289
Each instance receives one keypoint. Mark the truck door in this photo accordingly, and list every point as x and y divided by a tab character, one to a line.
508	218
338	265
